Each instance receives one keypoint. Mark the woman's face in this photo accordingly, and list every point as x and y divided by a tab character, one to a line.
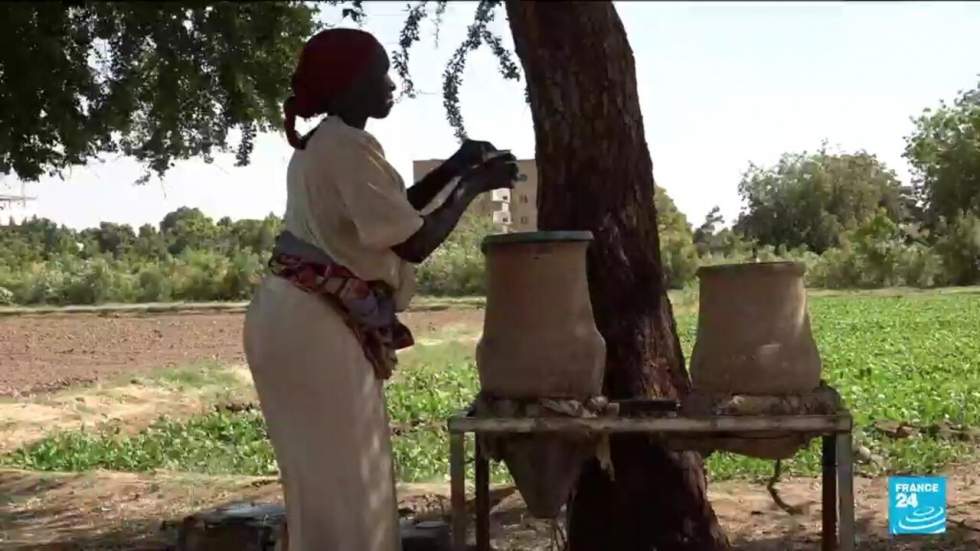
381	90
372	95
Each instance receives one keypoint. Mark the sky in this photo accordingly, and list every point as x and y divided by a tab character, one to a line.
720	84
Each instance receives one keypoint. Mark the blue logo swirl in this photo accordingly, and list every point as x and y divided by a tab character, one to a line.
927	520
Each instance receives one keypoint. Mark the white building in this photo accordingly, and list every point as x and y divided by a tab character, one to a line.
513	210
15	207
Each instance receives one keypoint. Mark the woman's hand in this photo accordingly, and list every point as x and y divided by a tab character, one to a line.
470	155
498	173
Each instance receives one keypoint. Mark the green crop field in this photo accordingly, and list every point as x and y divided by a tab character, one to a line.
912	358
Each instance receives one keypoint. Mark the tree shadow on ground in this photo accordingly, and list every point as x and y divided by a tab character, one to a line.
142	534
139	512
102	511
956	538
64	528
137	535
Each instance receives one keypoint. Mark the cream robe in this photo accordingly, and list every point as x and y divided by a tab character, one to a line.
323	405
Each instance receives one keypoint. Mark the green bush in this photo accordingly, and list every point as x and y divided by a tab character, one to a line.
41	263
456	268
921	267
878	254
199	275
96	281
154	285
243	273
838	268
679	259
6	297
42	284
958	246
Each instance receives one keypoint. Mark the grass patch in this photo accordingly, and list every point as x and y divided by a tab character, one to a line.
420	303
215	443
214	382
426	303
432	382
910	358
195	376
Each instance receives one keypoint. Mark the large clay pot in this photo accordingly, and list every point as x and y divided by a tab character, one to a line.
754	331
540	341
539	335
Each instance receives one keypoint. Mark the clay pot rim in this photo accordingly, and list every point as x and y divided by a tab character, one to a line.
534	237
795	268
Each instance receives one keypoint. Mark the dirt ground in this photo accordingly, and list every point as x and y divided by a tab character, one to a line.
135	511
51	352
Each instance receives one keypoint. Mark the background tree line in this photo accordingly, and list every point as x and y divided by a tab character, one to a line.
845	215
187	257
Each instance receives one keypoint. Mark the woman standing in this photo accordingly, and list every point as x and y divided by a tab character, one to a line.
321	332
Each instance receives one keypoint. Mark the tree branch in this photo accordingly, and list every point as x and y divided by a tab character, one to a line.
409	36
476	34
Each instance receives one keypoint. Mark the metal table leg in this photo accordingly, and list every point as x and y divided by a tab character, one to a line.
457	489
845	474
829	494
482	498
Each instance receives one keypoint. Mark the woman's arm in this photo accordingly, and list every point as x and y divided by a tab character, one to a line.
436	226
420	194
500	172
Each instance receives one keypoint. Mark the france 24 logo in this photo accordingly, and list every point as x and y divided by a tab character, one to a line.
916	505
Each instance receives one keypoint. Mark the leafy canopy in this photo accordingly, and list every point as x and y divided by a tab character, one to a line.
810	199
944	151
678	256
165	81
155	81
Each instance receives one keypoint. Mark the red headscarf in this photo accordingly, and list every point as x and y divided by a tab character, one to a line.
330	62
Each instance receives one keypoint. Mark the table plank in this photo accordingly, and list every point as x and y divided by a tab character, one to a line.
679	424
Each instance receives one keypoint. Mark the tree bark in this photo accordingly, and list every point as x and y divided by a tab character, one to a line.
595	173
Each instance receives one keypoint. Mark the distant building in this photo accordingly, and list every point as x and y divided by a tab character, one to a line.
15	208
513	210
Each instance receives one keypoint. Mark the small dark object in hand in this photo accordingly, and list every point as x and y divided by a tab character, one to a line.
646	406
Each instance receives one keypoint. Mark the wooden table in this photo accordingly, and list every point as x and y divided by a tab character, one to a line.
835	431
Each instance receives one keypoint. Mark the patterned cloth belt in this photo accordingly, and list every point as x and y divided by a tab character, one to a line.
366	307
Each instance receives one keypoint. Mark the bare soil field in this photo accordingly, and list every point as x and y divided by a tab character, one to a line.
40	353
73	353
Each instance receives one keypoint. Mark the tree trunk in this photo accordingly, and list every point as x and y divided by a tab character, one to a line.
595	174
